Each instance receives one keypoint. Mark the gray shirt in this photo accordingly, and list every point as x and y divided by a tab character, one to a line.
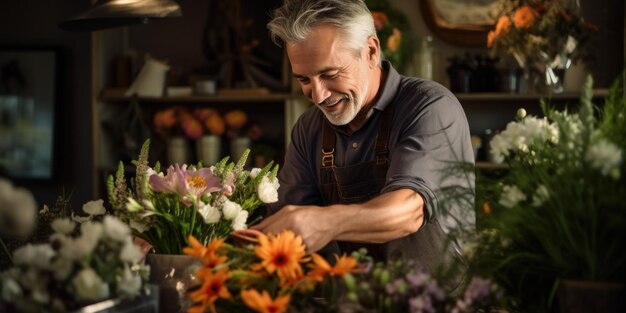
429	129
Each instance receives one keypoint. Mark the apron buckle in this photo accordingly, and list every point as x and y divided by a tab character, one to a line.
328	158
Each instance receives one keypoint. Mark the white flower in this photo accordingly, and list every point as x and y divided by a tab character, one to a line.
541	195
148	204
210	214
10	290
63	225
81	219
37	256
62	268
605	156
89	286
133	206
240	220
511	196
130	252
254	172
268	189
230	210
76	249
128	284
115	229
137	226
95	207
18	210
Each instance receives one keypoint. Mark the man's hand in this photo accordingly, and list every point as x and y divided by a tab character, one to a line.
309	222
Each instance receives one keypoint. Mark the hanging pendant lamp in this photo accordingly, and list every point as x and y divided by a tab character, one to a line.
117	13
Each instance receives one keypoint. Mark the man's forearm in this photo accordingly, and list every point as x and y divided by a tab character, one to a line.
389	216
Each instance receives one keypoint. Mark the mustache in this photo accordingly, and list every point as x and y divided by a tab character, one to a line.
332	99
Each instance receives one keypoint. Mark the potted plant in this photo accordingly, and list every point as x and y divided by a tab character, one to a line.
557	213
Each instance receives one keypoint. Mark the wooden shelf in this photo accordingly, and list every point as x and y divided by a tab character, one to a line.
515	97
117	95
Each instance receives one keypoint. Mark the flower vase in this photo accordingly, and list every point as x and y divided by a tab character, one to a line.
177	150
174	274
237	146
590	296
209	149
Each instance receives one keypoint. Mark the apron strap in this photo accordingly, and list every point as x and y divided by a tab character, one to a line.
382	139
328	146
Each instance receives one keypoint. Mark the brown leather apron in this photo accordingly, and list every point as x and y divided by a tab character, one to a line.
361	182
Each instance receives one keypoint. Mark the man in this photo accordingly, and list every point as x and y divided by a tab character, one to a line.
365	165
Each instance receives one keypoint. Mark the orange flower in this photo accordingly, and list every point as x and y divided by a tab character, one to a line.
525	17
393	42
207	255
213	287
236	119
491	36
380	19
487	208
282	254
215	124
263	303
320	267
503	25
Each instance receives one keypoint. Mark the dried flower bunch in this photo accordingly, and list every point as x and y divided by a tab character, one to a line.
81	263
540	33
558	211
206	202
272	275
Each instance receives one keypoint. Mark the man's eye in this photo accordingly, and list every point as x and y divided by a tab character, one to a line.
303	80
329	76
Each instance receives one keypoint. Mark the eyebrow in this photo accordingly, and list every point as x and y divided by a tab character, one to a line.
322	71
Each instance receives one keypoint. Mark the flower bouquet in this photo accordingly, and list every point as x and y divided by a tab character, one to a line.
206	202
558	212
543	36
78	266
273	274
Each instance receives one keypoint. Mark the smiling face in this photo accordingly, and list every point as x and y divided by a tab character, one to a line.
338	82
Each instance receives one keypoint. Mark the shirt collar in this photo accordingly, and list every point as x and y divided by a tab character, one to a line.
389	87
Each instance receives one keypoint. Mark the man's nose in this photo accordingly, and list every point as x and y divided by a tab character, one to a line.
319	92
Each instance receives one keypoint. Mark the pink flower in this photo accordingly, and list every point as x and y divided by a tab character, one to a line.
186	183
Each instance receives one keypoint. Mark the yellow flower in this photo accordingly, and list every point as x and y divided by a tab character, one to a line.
393	42
282	254
525	17
213	287
263	303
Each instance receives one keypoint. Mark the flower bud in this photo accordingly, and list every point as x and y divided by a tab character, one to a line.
521	113
385	277
350	282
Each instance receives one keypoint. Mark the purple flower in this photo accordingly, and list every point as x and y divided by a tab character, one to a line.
417	279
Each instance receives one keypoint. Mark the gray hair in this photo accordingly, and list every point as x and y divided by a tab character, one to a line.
294	21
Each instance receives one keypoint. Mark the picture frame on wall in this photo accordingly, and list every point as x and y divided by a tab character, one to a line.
28	105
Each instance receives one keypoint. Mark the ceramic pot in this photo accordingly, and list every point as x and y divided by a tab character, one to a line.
178	151
209	149
237	147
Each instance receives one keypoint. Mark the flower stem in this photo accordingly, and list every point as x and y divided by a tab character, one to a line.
6	251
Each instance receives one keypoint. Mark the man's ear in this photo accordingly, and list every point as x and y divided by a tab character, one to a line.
373	51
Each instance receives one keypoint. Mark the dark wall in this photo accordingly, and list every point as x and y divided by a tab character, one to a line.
33	23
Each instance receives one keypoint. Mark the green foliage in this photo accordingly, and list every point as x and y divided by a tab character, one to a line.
558	211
